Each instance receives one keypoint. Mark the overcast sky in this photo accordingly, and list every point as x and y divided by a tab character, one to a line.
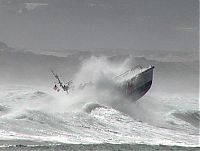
82	24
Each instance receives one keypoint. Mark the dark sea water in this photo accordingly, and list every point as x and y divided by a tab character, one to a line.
94	147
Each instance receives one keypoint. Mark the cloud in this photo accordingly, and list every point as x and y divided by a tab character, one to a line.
99	5
22	5
186	28
32	6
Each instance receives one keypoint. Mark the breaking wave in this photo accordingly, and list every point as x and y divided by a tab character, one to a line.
93	122
191	117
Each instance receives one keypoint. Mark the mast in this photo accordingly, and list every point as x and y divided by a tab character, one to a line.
59	81
64	86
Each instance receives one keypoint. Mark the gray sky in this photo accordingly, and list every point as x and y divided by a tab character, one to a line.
82	24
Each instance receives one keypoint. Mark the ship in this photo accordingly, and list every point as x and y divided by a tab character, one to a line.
133	83
136	82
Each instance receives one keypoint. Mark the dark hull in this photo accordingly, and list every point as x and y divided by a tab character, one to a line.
139	84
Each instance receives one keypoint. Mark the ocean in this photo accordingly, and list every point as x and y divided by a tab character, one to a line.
98	117
32	119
